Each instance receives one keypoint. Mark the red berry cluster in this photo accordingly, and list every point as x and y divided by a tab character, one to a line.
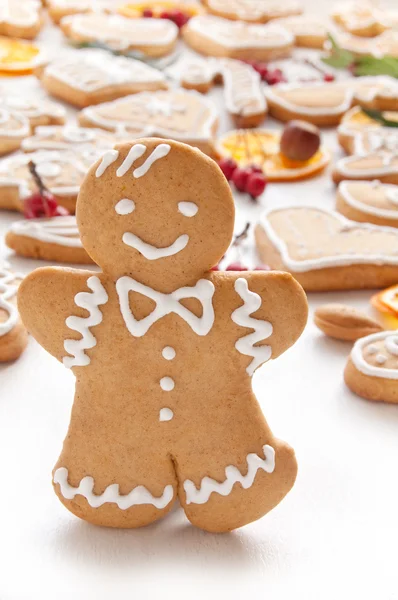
249	179
177	16
41	203
267	74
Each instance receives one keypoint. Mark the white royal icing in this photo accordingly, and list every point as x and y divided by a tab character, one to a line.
20	124
167	384
168	353
262	329
152	252
160	152
62	231
391	194
232	476
166	304
109	158
134	154
336	260
390	339
165	414
125	206
188	209
138	495
8	290
90	302
23	13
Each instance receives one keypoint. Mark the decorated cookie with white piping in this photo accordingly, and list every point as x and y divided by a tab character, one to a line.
253	11
55	239
163	348
243	91
68	136
309	31
13	335
152	37
57	9
321	104
21	18
356	124
213	36
364	19
372	368
61	172
89	77
185	116
380	46
368	202
325	251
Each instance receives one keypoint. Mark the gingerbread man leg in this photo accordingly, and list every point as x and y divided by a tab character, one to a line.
234	479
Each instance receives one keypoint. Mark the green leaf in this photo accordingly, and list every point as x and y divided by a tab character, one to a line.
377	115
339	58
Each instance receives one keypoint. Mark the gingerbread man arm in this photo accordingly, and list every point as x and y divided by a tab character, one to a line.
59	307
269	311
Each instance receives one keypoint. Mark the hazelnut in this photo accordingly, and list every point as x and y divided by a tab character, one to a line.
300	140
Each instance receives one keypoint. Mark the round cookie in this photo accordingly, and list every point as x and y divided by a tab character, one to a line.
368	202
156	216
372	368
213	36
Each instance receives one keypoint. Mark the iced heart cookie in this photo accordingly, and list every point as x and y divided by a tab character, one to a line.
372	368
56	239
67	136
13	335
243	92
325	251
57	9
385	44
21	18
308	31
253	11
235	39
152	37
261	147
368	202
182	115
320	104
61	172
92	76
156	216
19	57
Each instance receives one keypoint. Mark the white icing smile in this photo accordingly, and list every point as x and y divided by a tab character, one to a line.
152	252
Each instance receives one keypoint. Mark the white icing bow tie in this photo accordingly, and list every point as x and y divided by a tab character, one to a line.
203	291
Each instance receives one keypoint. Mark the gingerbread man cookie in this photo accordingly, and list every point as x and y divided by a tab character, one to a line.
253	11
235	39
182	115
92	76
372	368
243	93
156	216
325	251
152	37
13	335
55	239
368	202
20	18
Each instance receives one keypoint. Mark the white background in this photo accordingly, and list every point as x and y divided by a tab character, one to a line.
334	536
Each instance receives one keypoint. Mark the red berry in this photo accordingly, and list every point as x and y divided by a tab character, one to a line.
227	166
165	15
328	77
147	13
35	206
178	17
236	266
255	169
215	268
262	268
240	177
255	185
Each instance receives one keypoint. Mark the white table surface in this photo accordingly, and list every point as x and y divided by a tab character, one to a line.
333	537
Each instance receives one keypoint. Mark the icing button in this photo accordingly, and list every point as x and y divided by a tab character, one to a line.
165	414
167	384
168	353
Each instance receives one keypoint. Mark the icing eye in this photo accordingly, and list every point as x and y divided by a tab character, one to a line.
125	206
188	209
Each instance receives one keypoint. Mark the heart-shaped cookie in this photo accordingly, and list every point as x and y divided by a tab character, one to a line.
321	104
368	202
253	11
236	39
325	251
180	115
372	369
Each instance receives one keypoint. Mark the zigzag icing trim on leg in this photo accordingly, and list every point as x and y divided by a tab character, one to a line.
138	495
262	329
90	301
232	476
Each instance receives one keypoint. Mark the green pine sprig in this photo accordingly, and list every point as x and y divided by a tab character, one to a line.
377	115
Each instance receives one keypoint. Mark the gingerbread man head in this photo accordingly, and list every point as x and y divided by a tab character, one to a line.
156	211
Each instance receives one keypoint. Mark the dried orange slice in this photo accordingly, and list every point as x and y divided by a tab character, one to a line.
18	56
261	147
386	302
135	9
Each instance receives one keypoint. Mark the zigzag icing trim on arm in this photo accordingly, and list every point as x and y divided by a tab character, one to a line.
262	329
8	290
89	301
138	495
232	476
